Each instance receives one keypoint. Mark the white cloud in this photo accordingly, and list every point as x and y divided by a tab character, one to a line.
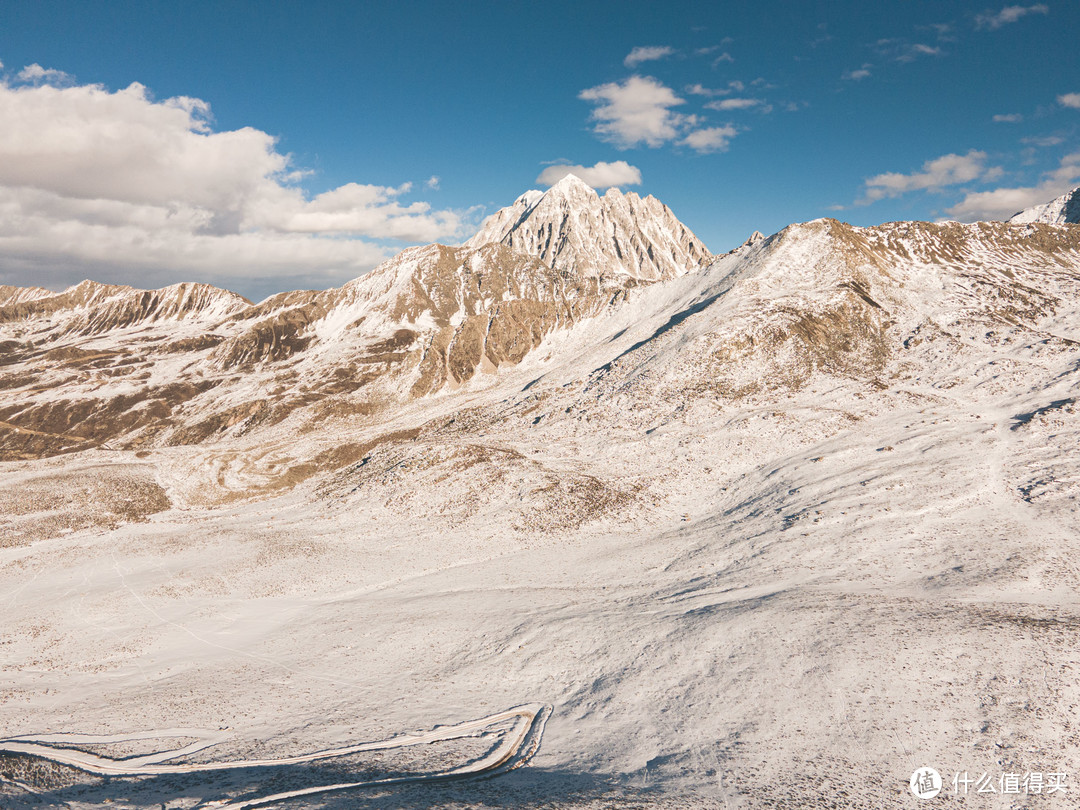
711	49
946	170
601	175
1009	14
635	111
943	31
36	74
93	181
734	86
724	57
354	209
901	50
710	139
734	104
858	74
647	54
918	49
433	182
1002	203
700	90
1044	140
1011	118
1070	100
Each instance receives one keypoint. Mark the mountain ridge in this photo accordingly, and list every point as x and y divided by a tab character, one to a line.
1064	210
191	363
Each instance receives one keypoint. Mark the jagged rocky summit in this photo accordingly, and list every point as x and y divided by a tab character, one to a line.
573	229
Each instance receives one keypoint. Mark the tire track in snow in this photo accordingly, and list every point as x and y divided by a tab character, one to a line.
519	745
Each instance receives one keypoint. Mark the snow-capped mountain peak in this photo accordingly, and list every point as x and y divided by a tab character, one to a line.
572	181
1065	210
573	229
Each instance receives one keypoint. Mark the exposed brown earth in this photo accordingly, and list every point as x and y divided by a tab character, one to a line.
65	500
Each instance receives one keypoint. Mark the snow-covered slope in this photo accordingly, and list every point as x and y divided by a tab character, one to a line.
1065	210
15	295
773	533
573	229
191	363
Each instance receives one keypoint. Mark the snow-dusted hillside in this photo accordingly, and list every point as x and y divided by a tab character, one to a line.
190	363
772	533
1065	210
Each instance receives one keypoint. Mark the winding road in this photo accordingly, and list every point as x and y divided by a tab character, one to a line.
517	747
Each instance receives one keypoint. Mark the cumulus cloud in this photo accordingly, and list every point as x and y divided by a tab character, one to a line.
712	48
635	111
988	20
946	170
1070	100
1011	118
601	175
36	74
647	54
943	31
433	182
710	139
354	209
916	50
95	181
1002	203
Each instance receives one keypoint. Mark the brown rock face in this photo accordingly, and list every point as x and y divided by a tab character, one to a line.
88	366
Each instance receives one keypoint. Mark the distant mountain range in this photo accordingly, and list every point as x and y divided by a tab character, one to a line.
191	363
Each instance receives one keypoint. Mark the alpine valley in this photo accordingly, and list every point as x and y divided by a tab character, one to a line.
772	528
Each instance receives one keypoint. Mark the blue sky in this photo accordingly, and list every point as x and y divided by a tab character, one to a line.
264	146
